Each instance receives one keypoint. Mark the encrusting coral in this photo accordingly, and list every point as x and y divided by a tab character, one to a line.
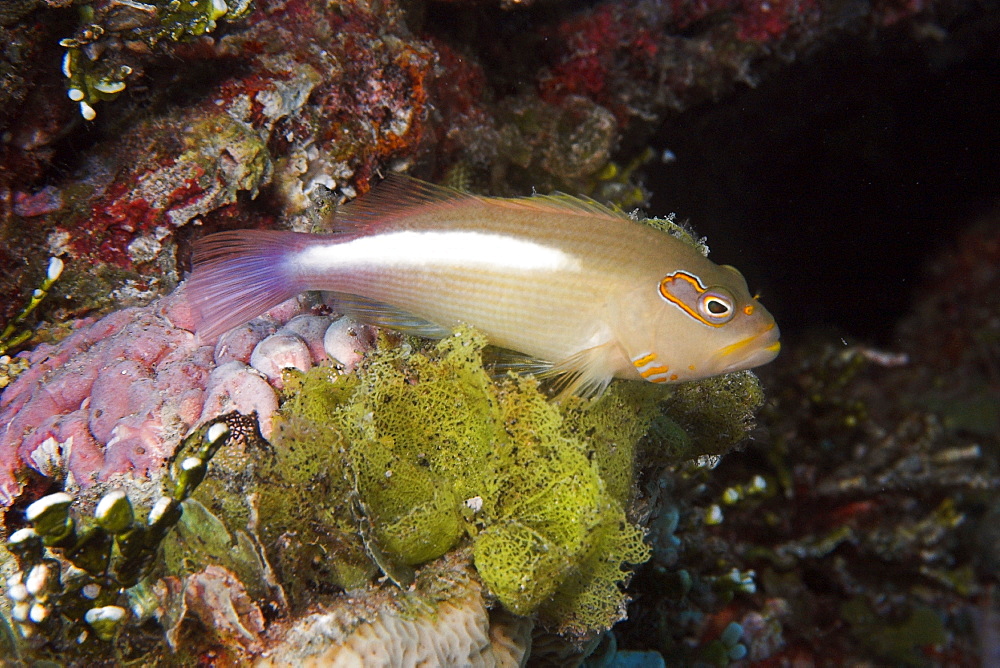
115	396
443	621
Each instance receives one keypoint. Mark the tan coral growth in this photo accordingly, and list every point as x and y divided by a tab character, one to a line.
441	621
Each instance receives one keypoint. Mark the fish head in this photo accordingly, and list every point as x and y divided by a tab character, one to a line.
699	325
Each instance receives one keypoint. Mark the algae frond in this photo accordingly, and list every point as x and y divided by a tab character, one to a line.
438	453
424	451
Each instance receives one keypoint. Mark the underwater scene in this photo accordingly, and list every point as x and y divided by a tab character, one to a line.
603	333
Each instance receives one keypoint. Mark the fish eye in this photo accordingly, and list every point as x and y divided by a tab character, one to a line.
716	306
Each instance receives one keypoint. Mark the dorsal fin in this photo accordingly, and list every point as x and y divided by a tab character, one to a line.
561	203
395	197
400	195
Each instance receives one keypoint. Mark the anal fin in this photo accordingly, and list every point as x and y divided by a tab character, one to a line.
385	315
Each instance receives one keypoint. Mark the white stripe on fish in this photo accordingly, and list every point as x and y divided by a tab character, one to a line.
431	248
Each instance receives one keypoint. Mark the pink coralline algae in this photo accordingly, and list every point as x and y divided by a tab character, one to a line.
116	396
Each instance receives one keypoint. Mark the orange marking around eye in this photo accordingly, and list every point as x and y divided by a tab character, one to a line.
696	283
654	370
748	309
645	359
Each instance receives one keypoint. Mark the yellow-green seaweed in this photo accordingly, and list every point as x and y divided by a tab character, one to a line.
421	452
438	452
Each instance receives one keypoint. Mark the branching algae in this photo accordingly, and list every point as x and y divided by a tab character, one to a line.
75	576
438	452
421	452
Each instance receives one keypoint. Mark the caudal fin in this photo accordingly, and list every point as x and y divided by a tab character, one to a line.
240	275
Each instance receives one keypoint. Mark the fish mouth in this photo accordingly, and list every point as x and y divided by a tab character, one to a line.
752	351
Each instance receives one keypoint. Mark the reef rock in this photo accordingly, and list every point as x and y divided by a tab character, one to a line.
442	621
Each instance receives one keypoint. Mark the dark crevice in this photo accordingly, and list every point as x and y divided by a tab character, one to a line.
831	184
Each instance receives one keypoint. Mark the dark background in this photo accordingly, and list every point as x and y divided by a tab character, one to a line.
833	182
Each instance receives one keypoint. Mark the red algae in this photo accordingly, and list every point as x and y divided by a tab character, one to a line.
768	20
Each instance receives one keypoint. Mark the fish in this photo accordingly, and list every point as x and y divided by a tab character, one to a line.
582	292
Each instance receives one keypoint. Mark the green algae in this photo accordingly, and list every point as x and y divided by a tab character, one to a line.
304	500
93	63
714	413
439	454
421	452
201	539
14	333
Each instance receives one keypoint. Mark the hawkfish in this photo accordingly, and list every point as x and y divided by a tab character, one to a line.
583	292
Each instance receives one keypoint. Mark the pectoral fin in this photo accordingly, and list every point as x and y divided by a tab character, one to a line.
585	373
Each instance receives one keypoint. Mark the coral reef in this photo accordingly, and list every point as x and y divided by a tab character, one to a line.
409	506
955	326
546	521
69	589
442	620
279	108
241	97
96	55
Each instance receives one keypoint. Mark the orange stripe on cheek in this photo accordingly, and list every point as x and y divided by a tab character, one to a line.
645	359
661	379
653	370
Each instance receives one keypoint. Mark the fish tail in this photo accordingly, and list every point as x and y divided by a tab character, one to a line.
240	275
